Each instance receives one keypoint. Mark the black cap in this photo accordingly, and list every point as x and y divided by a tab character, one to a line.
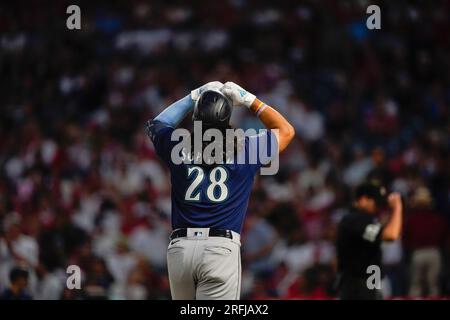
372	190
214	109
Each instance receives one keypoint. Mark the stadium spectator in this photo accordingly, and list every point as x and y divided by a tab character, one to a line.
426	233
17	290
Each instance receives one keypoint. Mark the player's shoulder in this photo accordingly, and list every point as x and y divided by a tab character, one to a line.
354	215
155	127
345	219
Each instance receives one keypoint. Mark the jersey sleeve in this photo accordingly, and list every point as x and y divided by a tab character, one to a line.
262	148
160	134
366	228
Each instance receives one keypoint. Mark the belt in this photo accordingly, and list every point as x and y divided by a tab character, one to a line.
180	233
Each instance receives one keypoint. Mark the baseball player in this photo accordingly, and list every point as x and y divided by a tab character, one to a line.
209	202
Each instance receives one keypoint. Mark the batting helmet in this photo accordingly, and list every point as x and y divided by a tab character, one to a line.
214	109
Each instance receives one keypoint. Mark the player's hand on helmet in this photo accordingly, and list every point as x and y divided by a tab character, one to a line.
213	85
395	200
237	94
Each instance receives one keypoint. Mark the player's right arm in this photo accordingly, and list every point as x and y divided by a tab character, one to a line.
270	117
392	229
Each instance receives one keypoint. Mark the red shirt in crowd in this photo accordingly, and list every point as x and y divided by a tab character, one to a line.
425	229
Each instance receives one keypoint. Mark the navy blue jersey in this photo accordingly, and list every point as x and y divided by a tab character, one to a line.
213	196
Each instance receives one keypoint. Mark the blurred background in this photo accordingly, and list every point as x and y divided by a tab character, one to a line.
80	182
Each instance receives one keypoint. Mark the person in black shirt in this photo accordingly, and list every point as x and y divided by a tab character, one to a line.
17	290
359	238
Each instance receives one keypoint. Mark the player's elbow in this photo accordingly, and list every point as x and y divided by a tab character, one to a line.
288	133
390	235
291	132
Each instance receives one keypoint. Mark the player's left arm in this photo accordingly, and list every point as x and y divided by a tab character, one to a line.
160	128
177	111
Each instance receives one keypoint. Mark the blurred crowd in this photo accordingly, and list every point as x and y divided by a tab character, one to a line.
80	183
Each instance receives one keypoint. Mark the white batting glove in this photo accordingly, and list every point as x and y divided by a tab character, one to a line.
214	85
237	94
